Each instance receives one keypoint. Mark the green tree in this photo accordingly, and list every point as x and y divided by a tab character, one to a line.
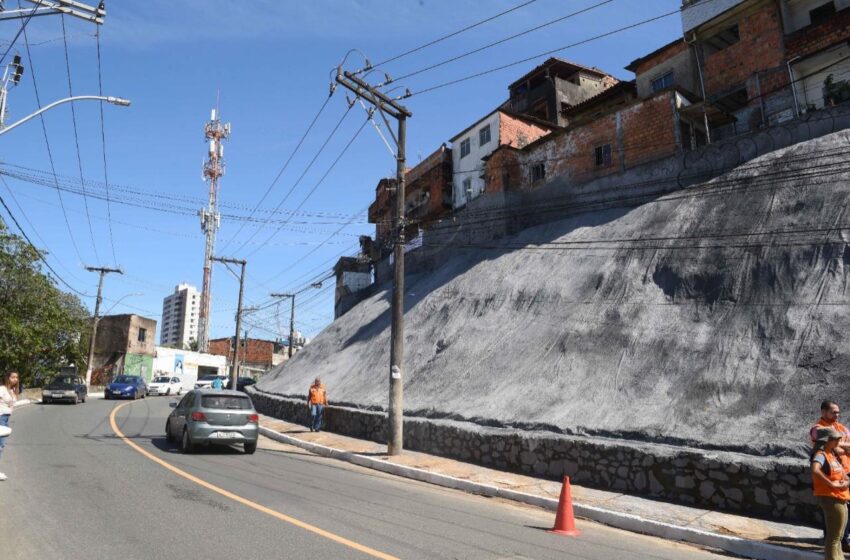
41	327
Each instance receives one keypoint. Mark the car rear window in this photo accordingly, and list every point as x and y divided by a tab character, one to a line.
63	380
226	402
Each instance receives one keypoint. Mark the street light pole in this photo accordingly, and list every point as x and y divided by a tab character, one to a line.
389	106
103	272
234	373
114	100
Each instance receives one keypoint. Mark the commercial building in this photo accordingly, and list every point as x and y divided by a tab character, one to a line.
187	365
124	344
180	312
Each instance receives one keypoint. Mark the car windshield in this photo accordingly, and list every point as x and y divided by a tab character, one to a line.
161	379
125	379
226	401
63	380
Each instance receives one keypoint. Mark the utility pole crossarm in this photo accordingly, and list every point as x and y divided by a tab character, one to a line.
57	7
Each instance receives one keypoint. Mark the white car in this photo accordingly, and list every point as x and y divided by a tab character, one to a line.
205	381
165	385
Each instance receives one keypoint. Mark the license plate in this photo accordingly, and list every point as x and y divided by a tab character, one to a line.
225	435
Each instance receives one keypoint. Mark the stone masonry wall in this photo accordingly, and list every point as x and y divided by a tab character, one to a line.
770	488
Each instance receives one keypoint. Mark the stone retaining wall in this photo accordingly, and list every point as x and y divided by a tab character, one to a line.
760	487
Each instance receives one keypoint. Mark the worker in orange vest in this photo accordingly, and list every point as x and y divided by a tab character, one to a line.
829	415
830	486
317	399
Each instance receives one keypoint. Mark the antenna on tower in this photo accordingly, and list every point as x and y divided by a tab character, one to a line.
213	169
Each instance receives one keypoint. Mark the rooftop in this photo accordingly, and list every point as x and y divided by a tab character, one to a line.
561	67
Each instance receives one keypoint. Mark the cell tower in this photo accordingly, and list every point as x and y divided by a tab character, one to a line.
215	132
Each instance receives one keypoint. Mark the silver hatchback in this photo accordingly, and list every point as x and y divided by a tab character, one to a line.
213	417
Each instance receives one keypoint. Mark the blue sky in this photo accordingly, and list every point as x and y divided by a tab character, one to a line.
269	64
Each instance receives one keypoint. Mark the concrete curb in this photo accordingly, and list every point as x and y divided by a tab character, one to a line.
736	545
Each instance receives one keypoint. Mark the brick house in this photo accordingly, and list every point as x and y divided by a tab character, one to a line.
254	353
124	344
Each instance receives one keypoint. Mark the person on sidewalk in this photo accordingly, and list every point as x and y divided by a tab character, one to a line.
8	397
829	415
831	489
317	399
216	384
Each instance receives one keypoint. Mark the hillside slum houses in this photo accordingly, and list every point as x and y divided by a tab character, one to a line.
739	66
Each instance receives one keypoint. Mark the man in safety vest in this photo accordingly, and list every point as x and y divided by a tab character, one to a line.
829	414
317	399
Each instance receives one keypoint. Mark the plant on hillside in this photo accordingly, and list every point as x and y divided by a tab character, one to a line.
42	327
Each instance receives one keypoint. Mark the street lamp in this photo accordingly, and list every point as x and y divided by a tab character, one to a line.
120	101
122	298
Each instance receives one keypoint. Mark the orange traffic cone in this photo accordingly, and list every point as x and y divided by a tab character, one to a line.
565	523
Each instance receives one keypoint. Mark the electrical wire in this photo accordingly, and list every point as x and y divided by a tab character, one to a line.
18	34
76	135
103	144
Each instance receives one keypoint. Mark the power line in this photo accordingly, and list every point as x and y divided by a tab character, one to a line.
50	152
76	136
545	53
103	143
282	169
500	41
18	34
450	35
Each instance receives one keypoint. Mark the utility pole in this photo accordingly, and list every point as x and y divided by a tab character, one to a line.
215	132
389	106
291	318
73	8
103	272
234	372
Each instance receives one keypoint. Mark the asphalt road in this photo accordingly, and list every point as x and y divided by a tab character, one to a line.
78	491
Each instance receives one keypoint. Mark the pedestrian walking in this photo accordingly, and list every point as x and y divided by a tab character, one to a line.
8	397
317	399
216	384
830	486
830	412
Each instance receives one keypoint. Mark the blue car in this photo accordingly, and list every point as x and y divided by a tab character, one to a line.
126	387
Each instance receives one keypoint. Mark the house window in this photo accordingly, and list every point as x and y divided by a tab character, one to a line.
464	147
662	82
602	155
538	172
142	334
484	136
822	12
467	187
720	41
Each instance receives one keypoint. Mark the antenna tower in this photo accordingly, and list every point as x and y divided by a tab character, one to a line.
214	132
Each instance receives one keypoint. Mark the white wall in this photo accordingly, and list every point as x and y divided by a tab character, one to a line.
166	361
470	166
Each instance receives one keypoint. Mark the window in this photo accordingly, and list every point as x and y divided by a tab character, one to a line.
822	12
662	82
538	172
602	155
142	334
720	41
467	187
464	147
484	136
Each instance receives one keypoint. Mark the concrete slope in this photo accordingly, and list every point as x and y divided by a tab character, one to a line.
715	316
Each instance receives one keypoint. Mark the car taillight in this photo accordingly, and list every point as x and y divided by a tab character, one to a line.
253	418
198	416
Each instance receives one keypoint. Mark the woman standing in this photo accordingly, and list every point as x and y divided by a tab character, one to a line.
8	397
830	485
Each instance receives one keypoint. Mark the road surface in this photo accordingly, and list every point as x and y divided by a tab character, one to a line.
77	490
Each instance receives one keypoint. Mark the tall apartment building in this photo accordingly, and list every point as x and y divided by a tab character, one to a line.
180	313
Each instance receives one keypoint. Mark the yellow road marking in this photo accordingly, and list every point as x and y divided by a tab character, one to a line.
244	501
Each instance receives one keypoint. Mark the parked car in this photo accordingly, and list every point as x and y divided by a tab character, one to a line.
126	387
65	387
205	381
212	417
242	382
165	385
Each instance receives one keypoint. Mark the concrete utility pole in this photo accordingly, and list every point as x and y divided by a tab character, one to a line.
103	272
234	373
389	106
215	132
291	318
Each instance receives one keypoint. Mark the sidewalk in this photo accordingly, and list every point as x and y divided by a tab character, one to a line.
750	538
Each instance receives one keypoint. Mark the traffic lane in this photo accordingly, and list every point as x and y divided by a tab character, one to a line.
398	516
75	491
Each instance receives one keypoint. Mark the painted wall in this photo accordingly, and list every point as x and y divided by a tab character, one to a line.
185	364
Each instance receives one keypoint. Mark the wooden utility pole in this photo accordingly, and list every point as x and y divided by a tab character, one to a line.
103	271
389	106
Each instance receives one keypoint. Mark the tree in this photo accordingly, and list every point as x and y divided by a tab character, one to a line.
42	327
193	345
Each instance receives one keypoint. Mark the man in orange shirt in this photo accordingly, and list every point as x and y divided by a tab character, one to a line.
317	399
829	414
